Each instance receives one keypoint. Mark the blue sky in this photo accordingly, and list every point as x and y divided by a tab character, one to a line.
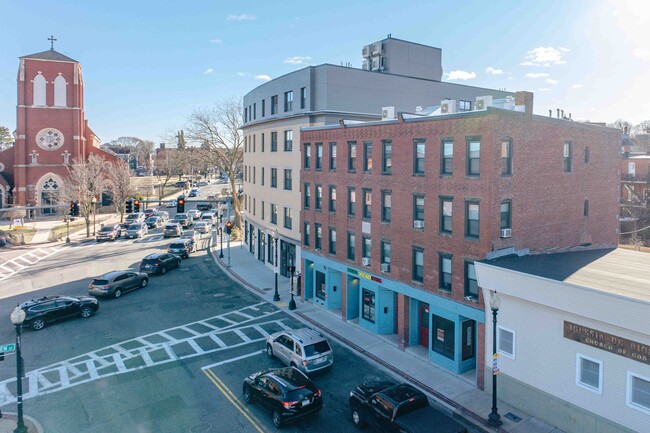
148	64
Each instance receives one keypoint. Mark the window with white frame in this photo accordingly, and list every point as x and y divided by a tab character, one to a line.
638	392
589	373
506	342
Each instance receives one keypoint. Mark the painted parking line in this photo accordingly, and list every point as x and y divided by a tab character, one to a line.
230	396
17	264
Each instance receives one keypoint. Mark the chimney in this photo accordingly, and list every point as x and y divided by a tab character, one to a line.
550	113
558	113
525	99
562	113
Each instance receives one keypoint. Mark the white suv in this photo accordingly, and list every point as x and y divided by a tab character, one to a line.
303	348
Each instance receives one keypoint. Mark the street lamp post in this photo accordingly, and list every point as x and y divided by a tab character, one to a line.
276	295
94	202
292	302
17	318
494	419
221	232
67	230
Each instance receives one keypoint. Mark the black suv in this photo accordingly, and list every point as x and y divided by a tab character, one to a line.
39	312
159	263
285	392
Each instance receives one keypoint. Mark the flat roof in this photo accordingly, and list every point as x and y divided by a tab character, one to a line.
612	270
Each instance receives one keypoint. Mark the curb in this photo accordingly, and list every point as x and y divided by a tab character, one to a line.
9	420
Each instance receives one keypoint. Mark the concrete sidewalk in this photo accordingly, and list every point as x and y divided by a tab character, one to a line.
9	420
454	394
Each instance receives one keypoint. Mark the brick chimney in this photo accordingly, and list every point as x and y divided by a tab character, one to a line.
526	99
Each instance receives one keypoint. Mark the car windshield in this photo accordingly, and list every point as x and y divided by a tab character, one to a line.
149	261
171	227
106	229
132	216
152	219
317	348
135	227
177	245
97	282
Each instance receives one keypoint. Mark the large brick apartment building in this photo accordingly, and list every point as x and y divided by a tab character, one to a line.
396	212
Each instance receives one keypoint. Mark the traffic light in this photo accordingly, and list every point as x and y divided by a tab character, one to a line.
129	206
180	205
71	212
75	209
228	227
136	206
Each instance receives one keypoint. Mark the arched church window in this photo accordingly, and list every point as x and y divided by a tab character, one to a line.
60	95
39	90
49	195
34	157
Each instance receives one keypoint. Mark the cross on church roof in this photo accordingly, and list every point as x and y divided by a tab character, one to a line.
51	39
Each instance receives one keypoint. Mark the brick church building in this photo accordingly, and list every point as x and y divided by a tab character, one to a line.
51	131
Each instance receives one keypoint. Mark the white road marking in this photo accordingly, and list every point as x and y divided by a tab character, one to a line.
36	255
238	358
217	340
242	335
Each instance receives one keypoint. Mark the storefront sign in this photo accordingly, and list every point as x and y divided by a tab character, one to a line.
608	342
361	274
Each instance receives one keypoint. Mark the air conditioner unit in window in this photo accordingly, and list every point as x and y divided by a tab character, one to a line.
385	267
418	224
506	233
387	113
448	106
482	102
376	48
365	52
365	261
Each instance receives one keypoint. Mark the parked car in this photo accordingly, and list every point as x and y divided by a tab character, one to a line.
210	217
153	222
159	263
195	214
171	203
204	206
172	229
109	232
116	283
39	312
191	235
285	392
203	227
163	215
181	247
183	219
180	184
203	183
3	241
397	408
137	230
137	217
302	348
195	192
150	212
124	227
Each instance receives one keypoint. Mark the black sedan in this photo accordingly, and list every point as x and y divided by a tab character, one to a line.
159	263
39	312
285	392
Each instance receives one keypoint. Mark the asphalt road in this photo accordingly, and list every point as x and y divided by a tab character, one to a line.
167	358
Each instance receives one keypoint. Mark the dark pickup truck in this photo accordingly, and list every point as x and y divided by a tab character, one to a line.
398	408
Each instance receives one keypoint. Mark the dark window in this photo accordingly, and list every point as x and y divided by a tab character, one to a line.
464	105
367	203
332	156
443	336
471	219
505	214
288	218
262	150
385	251
352	155
351	245
445	215
274	141
471	285
287	179
506	157
245	114
585	210
332	241
447	157
352	201
307	156
306	234
332	205
263	209
274	177
262	177
307	199
368	304
319	156
386	206
263	107
473	157
418	265
254	111
586	155
288	140
568	150
418	157
303	97
319	197
418	207
288	101
445	273
367	247
274	213
367	156
387	157
274	104
319	236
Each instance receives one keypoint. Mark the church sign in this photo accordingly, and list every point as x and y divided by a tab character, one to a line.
608	342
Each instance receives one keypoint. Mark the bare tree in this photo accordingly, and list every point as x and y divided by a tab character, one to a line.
218	130
6	138
85	183
621	124
119	179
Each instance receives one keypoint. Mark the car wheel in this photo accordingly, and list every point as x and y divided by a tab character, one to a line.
269	351
117	293
356	418
86	312
38	324
144	282
277	419
163	270
248	398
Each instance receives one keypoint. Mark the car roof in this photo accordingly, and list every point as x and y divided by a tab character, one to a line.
110	275
36	301
153	217
154	256
289	378
304	335
402	392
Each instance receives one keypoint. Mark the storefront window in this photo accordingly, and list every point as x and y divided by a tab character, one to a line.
321	290
368	305
443	336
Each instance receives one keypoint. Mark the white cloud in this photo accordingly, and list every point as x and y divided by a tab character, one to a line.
262	77
243	74
577	86
493	71
461	75
641	53
543	89
545	56
241	17
551	81
536	75
216	41
208	71
297	60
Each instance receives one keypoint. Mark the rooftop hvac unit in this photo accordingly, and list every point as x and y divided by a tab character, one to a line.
506	233
366	65
385	267
482	102
365	52
418	224
376	48
375	64
387	113
365	261
448	106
